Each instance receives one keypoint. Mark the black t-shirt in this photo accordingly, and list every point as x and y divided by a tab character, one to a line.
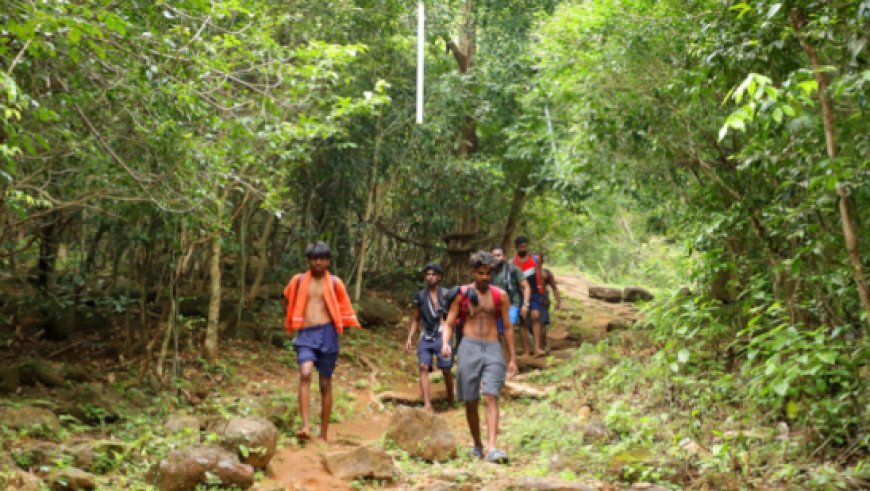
431	314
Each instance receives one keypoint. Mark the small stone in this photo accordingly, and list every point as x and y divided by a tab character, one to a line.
636	294
611	295
596	431
19	480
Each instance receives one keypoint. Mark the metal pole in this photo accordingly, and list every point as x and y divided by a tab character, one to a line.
421	20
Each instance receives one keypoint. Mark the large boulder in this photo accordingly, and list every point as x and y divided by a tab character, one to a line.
98	456
361	462
256	440
374	311
35	371
612	295
29	418
636	294
422	434
41	454
184	469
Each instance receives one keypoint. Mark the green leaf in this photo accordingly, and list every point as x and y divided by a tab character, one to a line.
781	387
74	35
683	355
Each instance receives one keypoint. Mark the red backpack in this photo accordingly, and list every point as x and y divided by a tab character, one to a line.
465	307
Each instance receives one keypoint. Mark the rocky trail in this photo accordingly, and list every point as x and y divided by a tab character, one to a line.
301	466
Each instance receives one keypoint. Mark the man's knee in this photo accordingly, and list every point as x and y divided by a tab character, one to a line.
424	368
536	315
490	399
325	384
305	370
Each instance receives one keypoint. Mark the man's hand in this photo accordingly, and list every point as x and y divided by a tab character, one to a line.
446	350
558	305
524	311
409	346
512	368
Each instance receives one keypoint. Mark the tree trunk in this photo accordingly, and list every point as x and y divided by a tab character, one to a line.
513	218
262	254
847	215
214	306
370	215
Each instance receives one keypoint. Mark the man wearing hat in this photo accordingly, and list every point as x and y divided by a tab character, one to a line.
430	308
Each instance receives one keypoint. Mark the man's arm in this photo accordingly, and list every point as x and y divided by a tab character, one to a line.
551	280
415	321
527	294
447	327
509	338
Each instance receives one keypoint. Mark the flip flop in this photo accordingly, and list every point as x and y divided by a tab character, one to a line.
477	452
497	456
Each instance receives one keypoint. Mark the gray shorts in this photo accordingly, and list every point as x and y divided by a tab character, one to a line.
479	365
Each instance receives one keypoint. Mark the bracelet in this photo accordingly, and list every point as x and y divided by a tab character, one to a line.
525	305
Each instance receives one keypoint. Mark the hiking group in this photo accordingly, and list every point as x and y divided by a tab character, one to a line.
470	325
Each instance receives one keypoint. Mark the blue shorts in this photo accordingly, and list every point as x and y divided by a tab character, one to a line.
318	344
514	313
427	349
536	302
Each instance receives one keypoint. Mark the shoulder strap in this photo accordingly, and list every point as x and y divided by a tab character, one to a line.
496	300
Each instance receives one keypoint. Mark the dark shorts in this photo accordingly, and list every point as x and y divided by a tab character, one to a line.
318	344
536	301
427	349
480	368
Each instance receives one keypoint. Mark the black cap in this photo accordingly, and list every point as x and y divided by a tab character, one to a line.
433	267
522	239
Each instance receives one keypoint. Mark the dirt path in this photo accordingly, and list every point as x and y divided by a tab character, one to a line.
300	467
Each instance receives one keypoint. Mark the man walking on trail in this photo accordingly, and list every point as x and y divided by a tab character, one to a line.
509	278
318	309
480	363
531	269
549	285
430	307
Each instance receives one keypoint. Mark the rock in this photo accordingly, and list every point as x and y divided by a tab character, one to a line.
61	325
93	403
612	295
618	325
42	454
10	379
539	484
435	486
18	480
255	437
691	446
245	330
179	423
29	418
584	412
96	455
595	431
37	371
361	462
183	469
70	478
646	486
278	412
590	362
636	294
423	435
374	311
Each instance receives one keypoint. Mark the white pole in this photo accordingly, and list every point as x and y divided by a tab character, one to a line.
421	20
550	129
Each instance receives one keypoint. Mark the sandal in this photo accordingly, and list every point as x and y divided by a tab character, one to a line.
477	452
497	456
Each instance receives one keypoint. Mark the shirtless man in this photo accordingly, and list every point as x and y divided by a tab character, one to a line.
318	309
430	309
549	285
480	361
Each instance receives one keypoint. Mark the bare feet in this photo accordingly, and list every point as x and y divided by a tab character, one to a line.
428	408
539	353
304	434
322	438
